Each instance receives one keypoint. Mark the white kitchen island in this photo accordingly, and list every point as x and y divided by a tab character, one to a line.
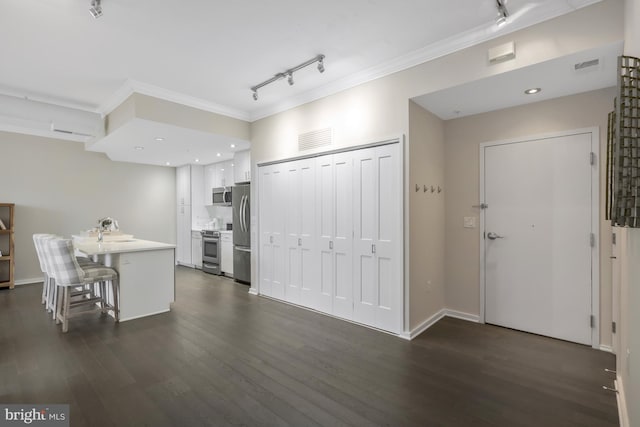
146	270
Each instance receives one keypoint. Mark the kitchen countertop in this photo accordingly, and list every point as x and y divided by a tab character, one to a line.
123	246
221	231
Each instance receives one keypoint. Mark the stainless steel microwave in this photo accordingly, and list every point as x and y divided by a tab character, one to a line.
222	196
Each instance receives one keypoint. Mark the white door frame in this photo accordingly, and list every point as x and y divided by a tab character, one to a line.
595	220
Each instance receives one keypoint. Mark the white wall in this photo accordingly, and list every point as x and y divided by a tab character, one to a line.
60	188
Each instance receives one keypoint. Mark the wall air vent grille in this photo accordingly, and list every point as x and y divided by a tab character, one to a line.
586	64
315	139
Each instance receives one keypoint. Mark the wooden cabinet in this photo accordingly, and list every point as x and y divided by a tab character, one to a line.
331	235
196	249
242	166
226	266
7	246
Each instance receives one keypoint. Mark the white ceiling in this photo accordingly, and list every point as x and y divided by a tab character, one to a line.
556	78
208	53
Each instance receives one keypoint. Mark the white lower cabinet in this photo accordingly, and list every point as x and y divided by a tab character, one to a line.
226	264
183	246
196	249
331	234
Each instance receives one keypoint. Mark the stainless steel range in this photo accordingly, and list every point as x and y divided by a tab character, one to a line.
211	251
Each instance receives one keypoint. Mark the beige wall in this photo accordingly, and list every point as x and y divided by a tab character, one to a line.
426	215
139	106
462	139
60	188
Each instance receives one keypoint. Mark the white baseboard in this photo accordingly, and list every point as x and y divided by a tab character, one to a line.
462	315
29	281
253	291
606	348
433	319
423	326
622	403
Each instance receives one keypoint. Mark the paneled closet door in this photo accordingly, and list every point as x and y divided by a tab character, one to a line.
300	245
308	236
377	236
325	194
272	262
291	211
343	236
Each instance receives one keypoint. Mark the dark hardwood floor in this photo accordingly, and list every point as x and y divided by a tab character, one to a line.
224	357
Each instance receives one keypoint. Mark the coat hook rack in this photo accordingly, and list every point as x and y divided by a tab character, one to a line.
439	189
424	188
417	188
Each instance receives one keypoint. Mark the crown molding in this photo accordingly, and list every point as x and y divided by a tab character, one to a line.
133	86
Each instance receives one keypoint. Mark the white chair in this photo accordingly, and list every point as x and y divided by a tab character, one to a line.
48	285
68	274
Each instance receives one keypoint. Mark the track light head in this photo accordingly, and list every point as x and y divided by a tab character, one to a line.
321	64
255	95
503	13
96	9
290	79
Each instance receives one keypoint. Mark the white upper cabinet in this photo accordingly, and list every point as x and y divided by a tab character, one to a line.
242	166
217	175
197	182
183	185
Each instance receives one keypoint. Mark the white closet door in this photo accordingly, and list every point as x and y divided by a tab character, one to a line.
342	256
389	238
266	227
291	212
272	191
308	236
278	205
377	236
325	183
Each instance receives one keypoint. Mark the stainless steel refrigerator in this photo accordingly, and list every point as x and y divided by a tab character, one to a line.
240	196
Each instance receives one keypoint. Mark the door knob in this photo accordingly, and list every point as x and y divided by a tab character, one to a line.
493	236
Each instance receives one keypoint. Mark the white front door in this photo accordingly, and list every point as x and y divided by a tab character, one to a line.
537	236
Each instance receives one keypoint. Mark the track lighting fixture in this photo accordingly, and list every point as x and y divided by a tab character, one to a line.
96	9
288	74
503	13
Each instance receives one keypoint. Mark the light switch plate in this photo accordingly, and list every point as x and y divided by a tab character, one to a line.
469	222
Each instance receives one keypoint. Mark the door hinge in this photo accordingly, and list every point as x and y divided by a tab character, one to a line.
613	238
592	321
614	327
592	240
592	158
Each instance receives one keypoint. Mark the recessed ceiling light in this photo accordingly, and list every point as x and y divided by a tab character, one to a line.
218	154
197	160
139	148
168	164
532	90
233	146
231	164
159	139
222	170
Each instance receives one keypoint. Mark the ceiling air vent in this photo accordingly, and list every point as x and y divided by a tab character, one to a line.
314	139
586	64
